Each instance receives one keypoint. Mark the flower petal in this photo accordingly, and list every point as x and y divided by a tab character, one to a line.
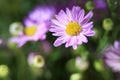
87	18
81	16
57	23
116	44
83	38
89	33
57	42
69	14
112	56
88	25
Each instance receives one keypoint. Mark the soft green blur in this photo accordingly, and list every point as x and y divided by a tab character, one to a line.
60	63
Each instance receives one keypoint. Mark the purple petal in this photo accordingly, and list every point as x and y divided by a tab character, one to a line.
57	23
79	41
57	42
61	20
111	55
113	64
117	45
88	25
69	14
63	15
74	47
75	11
83	38
73	40
58	34
56	29
81	15
87	18
89	33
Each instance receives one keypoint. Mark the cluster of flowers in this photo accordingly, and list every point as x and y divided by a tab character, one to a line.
71	26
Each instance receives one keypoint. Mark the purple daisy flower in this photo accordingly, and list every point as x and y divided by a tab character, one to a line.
112	56
41	13
31	33
36	25
72	27
100	4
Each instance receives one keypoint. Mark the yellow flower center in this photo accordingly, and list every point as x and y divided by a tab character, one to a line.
30	31
73	29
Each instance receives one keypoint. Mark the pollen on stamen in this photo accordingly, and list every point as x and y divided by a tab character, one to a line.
73	29
29	31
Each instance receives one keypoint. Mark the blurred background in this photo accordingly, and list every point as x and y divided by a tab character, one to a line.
40	60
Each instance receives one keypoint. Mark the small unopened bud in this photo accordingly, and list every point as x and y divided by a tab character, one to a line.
89	5
81	64
98	65
76	76
11	44
38	61
4	71
108	24
16	29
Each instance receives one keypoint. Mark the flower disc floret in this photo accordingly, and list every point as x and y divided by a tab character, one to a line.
30	31
73	29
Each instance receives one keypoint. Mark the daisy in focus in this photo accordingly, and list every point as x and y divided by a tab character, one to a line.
112	56
36	25
72	27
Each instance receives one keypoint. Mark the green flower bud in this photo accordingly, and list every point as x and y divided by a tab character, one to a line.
81	64
38	61
4	71
89	5
76	76
98	65
16	29
11	44
108	24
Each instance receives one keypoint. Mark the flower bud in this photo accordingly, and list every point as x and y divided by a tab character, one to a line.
89	5
108	24
16	29
98	65
81	64
11	44
4	71
36	60
76	76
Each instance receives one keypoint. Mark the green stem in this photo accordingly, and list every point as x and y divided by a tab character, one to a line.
22	67
102	43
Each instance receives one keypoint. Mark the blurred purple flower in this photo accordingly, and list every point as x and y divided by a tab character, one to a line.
36	25
40	14
100	4
72	27
112	56
46	47
101	9
1	41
